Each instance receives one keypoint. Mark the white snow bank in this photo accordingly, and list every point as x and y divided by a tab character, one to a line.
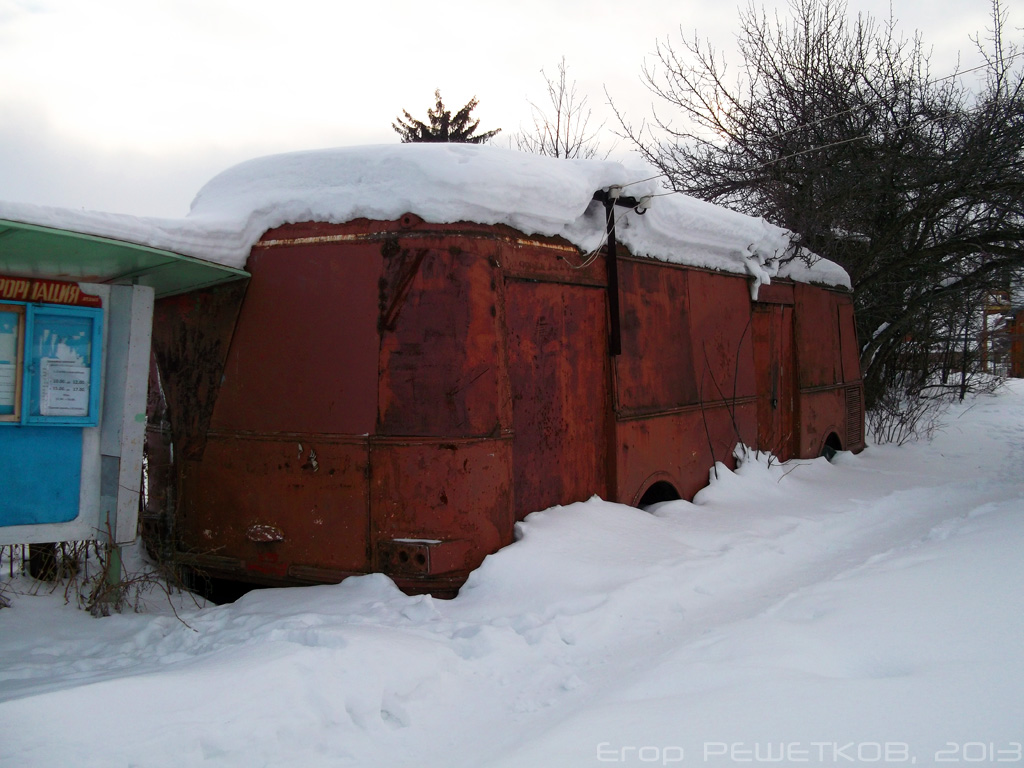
448	183
858	613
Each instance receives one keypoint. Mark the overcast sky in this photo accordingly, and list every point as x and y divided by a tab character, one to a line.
130	106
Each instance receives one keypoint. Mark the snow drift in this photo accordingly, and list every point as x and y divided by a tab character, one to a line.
858	613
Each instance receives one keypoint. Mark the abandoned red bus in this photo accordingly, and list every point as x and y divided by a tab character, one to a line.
437	340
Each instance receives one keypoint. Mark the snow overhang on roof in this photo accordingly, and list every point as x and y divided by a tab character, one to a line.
449	183
32	250
442	183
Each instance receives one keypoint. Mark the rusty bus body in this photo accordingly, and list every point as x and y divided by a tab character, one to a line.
392	396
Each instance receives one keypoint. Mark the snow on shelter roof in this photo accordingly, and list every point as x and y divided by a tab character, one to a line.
448	183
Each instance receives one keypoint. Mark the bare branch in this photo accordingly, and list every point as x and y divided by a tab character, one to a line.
836	129
563	130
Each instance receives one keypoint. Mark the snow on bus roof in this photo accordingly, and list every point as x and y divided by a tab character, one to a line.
448	183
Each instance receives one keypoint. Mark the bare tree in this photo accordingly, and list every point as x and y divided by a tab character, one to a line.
564	130
838	130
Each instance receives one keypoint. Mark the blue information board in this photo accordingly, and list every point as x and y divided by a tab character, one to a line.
62	356
12	333
50	364
46	485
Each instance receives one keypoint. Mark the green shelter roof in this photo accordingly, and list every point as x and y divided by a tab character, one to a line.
32	250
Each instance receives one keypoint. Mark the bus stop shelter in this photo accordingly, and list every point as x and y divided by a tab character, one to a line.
76	315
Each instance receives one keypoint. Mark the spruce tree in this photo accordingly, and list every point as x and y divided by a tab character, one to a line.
442	126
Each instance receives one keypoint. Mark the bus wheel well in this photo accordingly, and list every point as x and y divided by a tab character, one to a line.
831	446
662	490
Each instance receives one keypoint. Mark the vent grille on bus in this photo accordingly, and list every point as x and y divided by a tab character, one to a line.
854	417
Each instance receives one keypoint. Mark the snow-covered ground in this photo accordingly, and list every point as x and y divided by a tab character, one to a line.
865	612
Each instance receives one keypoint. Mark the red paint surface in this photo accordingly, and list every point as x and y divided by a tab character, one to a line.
394	395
